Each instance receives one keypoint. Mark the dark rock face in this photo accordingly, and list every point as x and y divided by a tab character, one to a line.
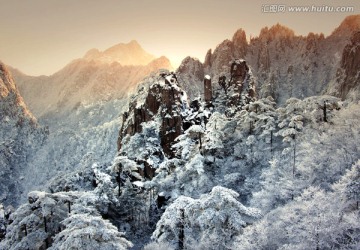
241	82
207	90
350	62
163	99
171	126
239	70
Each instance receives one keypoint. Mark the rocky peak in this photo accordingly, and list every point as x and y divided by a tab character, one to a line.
191	66
20	137
134	44
239	38
190	74
161	106
163	99
277	31
221	58
349	25
160	63
241	80
350	62
240	44
124	53
7	84
207	61
239	70
92	54
284	65
240	88
12	105
83	82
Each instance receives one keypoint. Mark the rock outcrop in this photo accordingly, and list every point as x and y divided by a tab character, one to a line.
208	90
239	71
190	73
162	99
241	84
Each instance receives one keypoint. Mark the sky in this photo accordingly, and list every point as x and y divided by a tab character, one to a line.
42	36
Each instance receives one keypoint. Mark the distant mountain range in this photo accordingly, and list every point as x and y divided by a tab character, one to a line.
124	53
76	107
286	65
98	76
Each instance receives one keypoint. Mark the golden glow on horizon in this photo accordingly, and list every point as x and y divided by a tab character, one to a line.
41	36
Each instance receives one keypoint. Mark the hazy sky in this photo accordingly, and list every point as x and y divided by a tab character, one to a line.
42	36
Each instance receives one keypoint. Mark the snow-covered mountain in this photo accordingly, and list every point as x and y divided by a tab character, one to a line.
85	81
219	175
250	167
19	136
80	108
284	64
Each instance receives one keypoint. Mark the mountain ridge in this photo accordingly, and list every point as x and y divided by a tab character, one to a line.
285	64
124	53
83	81
10	93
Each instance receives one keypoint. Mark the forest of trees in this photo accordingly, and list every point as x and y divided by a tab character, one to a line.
255	177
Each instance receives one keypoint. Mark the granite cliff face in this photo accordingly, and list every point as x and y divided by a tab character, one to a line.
235	88
153	121
242	80
162	100
350	61
190	74
19	138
